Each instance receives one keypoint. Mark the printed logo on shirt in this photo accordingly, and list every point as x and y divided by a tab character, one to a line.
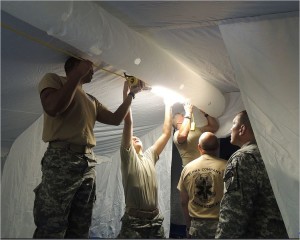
204	188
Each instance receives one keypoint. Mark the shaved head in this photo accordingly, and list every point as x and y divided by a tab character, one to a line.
208	142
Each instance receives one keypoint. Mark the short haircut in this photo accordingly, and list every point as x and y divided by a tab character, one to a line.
244	119
209	143
71	63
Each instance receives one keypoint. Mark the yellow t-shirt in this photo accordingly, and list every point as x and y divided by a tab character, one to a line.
189	149
139	178
76	124
202	179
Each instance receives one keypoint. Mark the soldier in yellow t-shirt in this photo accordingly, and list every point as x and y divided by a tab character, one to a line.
64	199
186	139
201	189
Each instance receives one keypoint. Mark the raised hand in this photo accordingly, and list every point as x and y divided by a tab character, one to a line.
188	108
135	89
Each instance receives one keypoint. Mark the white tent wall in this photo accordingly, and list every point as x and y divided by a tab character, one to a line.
265	56
22	173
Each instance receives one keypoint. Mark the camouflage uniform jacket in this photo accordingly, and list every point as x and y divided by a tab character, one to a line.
249	208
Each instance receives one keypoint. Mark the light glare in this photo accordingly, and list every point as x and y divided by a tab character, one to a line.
137	61
167	94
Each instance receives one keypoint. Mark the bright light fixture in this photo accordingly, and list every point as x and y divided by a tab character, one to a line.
167	94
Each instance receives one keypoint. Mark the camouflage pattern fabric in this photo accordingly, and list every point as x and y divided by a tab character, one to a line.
203	229
142	228
65	197
249	208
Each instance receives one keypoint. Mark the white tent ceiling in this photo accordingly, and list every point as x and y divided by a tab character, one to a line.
188	31
179	43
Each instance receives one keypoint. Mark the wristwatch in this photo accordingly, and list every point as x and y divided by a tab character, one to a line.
132	94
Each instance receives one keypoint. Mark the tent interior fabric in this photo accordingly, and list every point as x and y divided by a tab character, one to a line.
225	56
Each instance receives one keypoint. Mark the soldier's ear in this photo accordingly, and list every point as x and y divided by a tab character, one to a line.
199	148
242	130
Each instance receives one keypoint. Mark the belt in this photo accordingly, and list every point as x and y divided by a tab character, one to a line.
143	214
71	146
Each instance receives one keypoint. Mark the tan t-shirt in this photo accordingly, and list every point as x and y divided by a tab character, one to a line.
202	179
189	149
76	124
139	178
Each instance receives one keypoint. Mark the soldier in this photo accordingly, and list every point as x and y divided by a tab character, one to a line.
64	199
186	139
186	136
248	208
201	189
142	218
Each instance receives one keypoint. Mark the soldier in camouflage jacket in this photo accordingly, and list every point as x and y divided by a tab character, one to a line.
248	208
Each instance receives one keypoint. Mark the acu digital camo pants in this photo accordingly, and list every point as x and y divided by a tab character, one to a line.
141	228
203	229
64	199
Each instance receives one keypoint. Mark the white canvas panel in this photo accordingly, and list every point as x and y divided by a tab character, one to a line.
21	174
234	105
264	53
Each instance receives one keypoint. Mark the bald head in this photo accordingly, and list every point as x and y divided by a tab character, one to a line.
208	143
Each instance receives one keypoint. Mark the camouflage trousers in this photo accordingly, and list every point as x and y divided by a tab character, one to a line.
142	228
64	199
203	229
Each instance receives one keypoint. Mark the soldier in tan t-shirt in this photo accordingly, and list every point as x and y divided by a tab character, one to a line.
64	199
186	139
187	134
142	218
201	189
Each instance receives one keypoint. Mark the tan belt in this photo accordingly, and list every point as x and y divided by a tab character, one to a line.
73	147
143	214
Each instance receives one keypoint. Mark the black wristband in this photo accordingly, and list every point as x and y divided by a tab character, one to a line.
187	117
132	94
206	115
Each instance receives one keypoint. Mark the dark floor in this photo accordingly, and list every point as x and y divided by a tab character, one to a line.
177	231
